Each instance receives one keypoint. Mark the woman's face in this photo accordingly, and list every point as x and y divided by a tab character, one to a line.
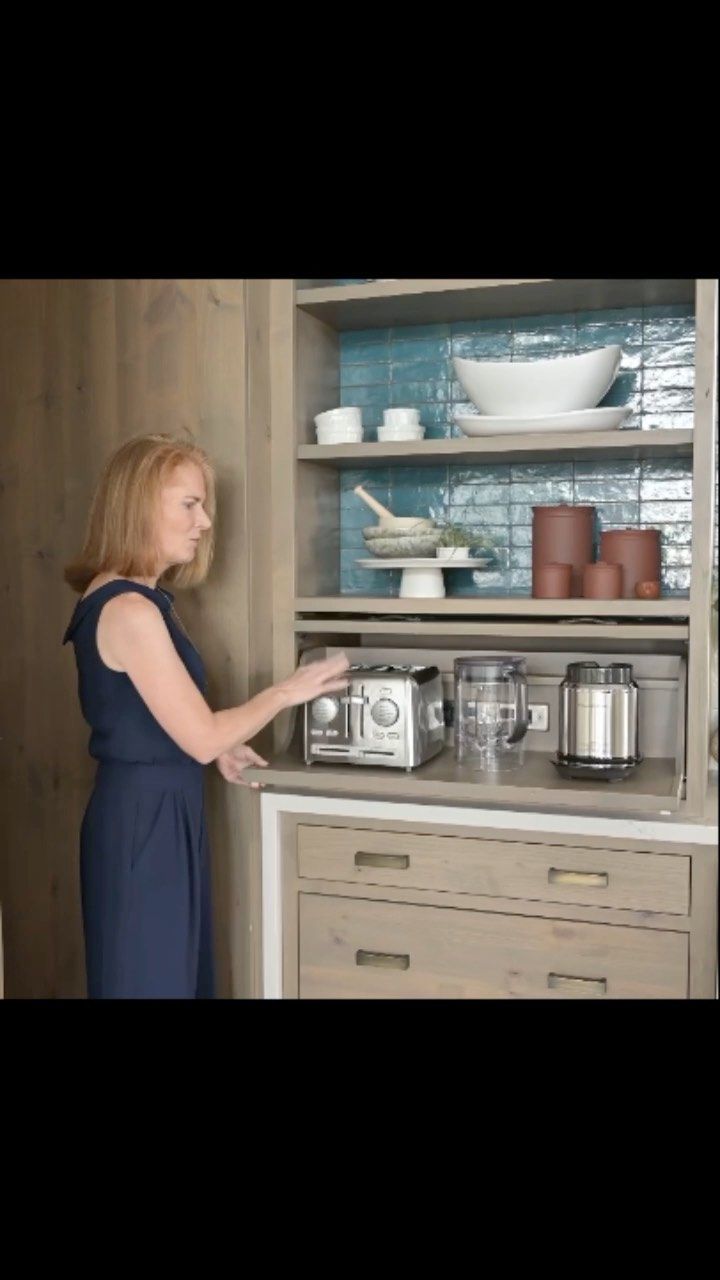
182	515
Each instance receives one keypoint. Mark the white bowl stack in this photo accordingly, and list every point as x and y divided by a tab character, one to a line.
401	424
339	426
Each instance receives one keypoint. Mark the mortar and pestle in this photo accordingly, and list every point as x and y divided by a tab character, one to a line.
393	525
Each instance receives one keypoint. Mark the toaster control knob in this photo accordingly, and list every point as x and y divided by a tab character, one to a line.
385	712
324	710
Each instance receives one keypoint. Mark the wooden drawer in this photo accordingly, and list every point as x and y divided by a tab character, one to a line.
354	948
497	868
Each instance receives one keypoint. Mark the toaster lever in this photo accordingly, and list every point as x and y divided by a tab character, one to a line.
354	698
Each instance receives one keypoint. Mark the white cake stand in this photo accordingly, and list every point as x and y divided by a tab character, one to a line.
422	578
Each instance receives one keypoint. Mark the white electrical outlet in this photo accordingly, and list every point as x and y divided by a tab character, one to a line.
539	717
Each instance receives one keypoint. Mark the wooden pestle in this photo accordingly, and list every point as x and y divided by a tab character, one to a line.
373	503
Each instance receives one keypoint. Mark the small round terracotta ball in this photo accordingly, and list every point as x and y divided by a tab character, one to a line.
647	590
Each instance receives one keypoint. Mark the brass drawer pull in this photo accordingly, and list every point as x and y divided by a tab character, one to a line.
382	959
399	861
564	982
586	879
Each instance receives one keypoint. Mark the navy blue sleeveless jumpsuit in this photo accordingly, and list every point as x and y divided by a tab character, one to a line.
144	855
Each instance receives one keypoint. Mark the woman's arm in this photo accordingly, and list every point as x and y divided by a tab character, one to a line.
136	639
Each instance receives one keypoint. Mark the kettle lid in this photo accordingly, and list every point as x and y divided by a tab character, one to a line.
593	673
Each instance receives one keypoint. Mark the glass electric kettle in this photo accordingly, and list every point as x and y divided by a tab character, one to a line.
491	711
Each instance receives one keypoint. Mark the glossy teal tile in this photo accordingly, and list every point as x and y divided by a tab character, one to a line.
417	393
605	469
373	478
359	375
666	512
352	539
617	514
666	490
541	345
420	349
361	396
521	535
433	414
499	473
521	558
412	501
605	490
419	477
675	581
361	338
677	556
542	491
671	329
419	370
625	390
482	516
482	346
677	353
609	315
520	580
675	535
475	495
666	469
668	400
674	376
627	332
529	472
545	323
459	328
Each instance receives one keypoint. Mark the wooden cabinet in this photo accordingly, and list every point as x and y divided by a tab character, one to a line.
377	909
350	947
308	321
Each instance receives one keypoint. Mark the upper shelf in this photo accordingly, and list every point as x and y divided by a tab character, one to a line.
516	448
402	302
502	606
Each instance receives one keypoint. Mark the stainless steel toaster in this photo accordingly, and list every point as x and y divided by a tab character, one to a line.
390	715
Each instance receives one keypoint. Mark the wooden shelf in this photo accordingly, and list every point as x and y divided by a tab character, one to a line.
402	302
504	607
654	785
516	630
521	448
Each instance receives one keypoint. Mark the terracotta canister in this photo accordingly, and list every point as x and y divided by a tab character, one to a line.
637	550
602	581
552	581
563	535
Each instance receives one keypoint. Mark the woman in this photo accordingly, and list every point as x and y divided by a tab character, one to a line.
144	857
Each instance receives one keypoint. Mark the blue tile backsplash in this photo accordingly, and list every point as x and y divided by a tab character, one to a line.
413	366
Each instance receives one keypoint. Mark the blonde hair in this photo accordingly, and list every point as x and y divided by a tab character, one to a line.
121	530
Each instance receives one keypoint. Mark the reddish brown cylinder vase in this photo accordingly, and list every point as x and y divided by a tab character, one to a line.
637	550
552	581
562	535
602	581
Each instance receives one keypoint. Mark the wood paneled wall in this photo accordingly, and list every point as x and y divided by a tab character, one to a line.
84	364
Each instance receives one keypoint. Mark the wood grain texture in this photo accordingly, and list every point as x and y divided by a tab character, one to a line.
455	954
85	364
510	869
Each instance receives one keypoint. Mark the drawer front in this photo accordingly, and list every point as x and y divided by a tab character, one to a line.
497	868
354	948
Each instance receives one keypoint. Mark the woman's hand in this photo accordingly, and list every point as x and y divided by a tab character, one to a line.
313	679
232	763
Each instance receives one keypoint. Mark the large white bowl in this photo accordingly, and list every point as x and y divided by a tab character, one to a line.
535	387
